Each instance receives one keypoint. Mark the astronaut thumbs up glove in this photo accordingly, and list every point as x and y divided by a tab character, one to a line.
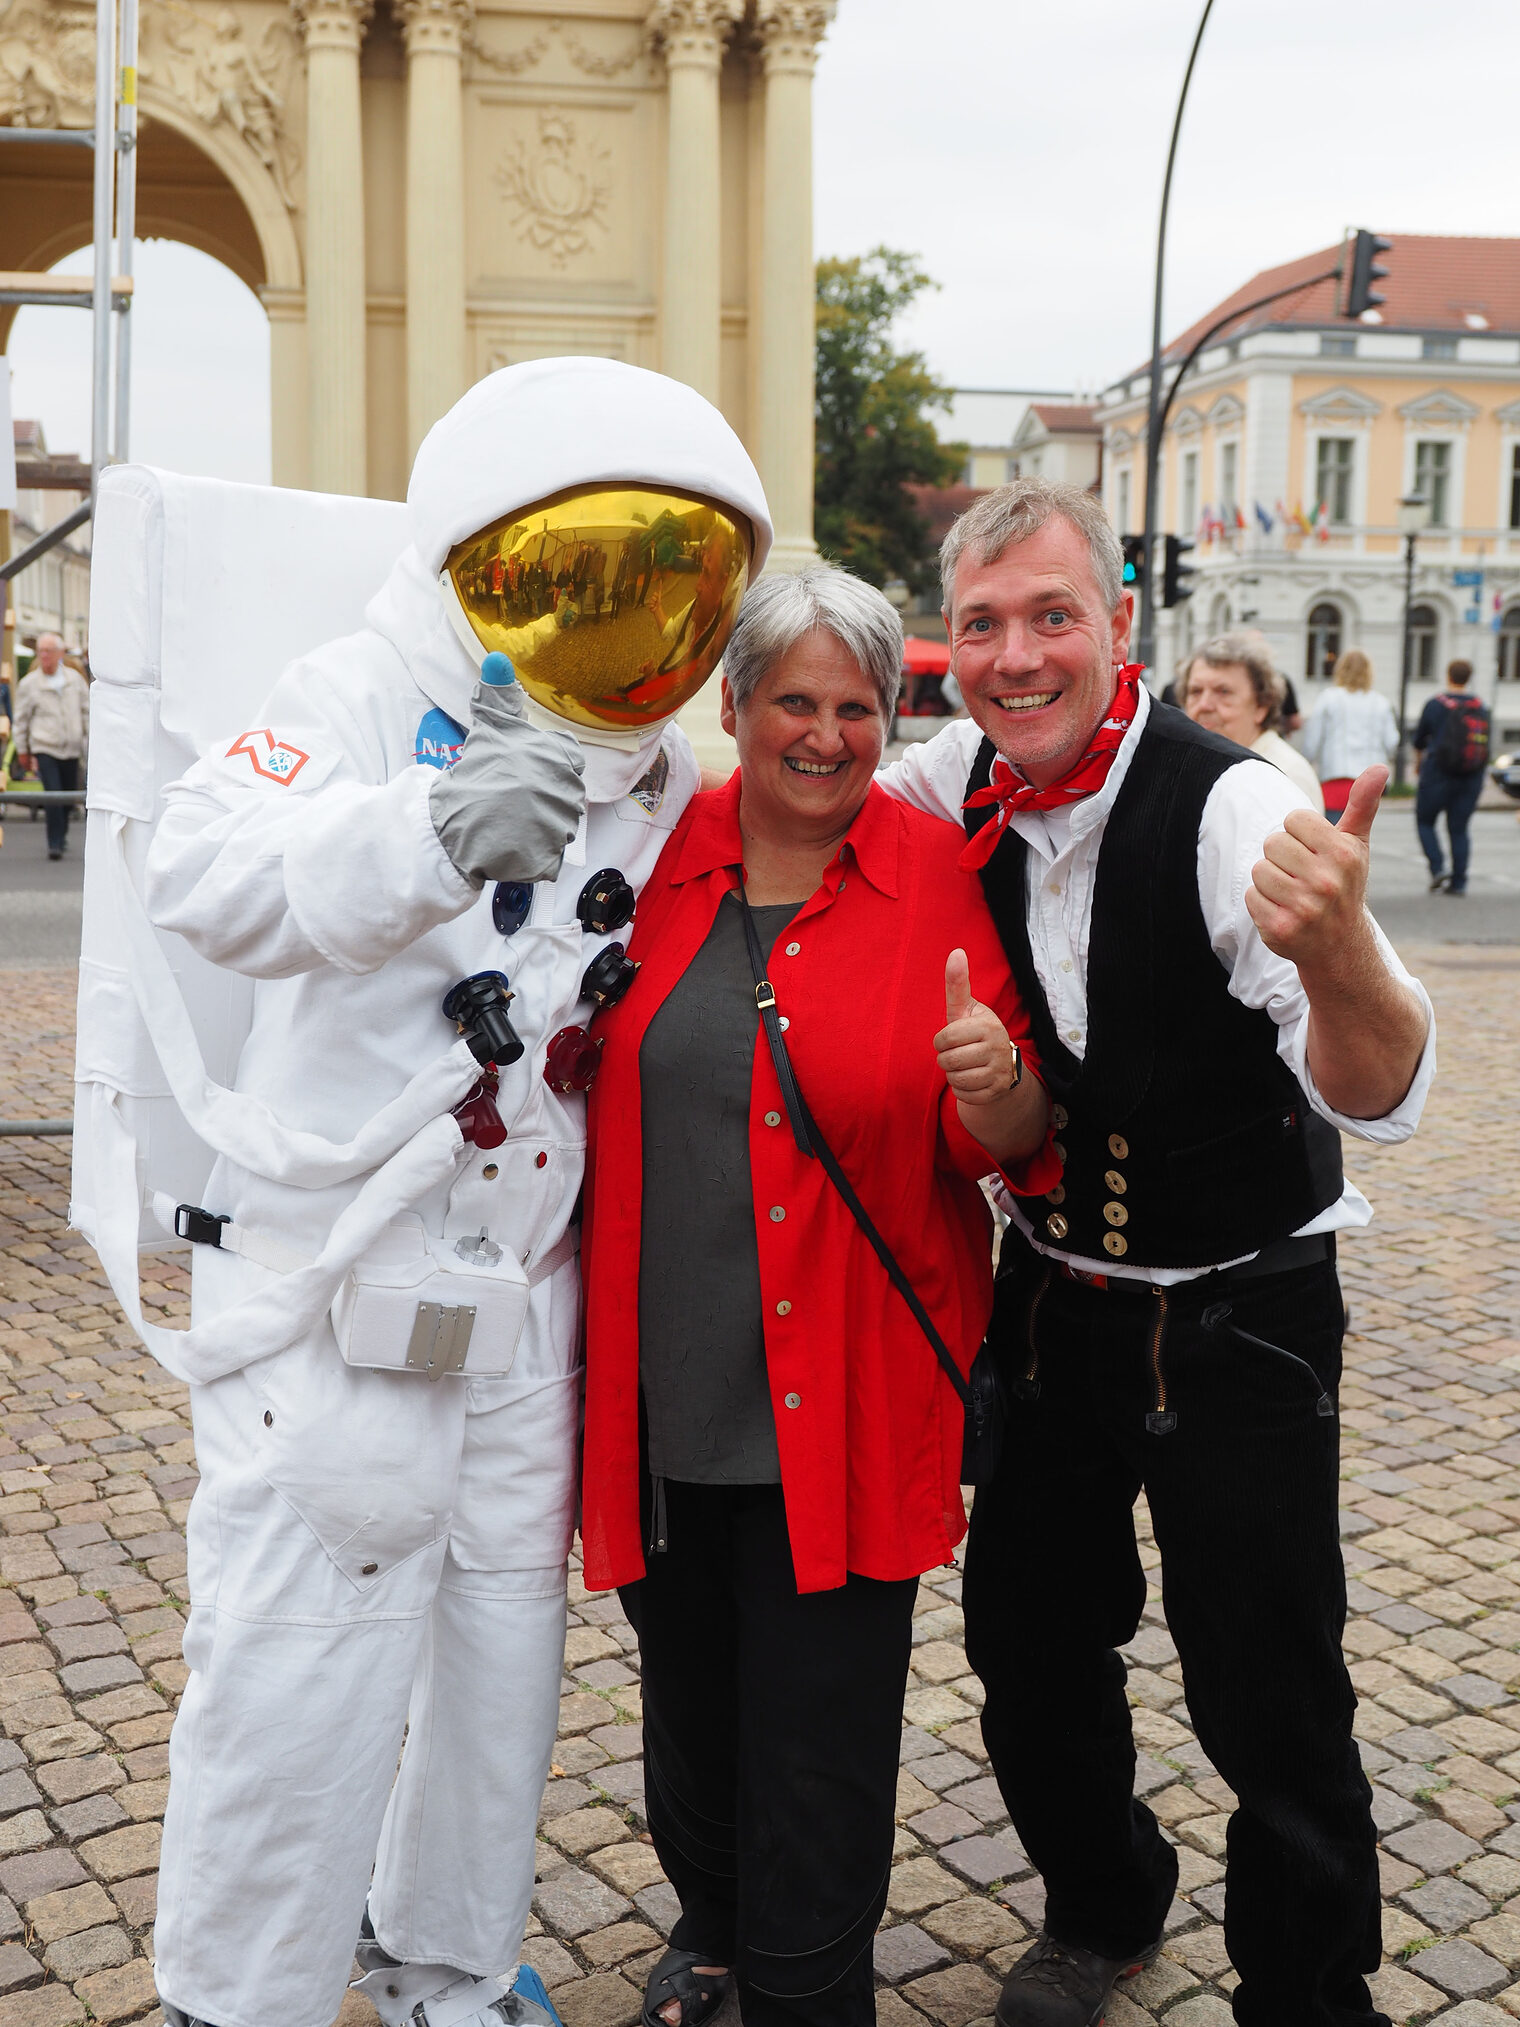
514	798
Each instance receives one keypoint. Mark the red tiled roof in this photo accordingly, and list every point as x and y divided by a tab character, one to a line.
1434	283
1067	418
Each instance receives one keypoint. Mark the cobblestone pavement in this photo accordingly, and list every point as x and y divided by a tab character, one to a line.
96	1473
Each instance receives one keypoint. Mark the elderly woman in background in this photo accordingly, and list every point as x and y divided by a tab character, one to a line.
1230	686
1351	728
772	1450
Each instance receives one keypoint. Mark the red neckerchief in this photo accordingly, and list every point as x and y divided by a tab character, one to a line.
1010	792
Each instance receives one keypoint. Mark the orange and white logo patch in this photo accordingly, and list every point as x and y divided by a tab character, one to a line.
272	759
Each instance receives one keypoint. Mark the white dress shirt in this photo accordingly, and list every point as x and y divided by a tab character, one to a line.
1244	806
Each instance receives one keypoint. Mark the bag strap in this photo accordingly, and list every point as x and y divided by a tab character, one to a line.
812	1143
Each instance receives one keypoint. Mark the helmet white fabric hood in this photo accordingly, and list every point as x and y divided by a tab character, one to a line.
540	428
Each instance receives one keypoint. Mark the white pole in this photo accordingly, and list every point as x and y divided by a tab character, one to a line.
126	219
105	161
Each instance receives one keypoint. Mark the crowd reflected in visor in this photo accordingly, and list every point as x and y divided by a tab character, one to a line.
614	605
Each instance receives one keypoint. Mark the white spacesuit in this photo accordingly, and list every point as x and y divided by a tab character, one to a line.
379	1553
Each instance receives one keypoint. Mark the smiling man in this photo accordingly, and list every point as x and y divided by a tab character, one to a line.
1213	1005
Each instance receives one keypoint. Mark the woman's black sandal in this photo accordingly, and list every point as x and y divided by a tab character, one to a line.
675	1977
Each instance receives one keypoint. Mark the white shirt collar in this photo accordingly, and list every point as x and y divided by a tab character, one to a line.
1091	813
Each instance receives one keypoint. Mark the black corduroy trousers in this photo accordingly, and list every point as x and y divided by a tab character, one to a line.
1236	1448
772	1725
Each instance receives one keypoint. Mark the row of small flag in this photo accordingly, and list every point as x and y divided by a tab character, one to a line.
1214	526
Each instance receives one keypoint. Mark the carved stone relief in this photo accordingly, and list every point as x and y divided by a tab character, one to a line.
558	186
565	37
198	56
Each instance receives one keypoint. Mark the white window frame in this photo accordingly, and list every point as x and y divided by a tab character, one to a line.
1124	485
1456	498
1356	487
1222	444
1502	635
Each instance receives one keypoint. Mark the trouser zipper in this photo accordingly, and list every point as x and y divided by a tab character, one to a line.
1161	1420
1027	1385
659	1531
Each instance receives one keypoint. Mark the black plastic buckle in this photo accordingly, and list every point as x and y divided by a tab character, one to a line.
200	1227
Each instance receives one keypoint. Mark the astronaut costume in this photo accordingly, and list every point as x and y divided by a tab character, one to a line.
381	1553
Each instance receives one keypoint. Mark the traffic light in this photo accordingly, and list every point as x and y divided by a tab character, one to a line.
1134	560
1177	576
1359	270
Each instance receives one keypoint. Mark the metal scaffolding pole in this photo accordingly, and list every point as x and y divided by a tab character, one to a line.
126	220
105	163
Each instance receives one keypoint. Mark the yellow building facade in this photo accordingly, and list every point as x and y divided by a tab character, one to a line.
1292	442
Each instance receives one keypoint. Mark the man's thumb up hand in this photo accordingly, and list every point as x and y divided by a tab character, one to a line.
1362	803
958	1000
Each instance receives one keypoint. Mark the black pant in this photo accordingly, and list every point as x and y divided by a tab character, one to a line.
772	1723
57	774
1112	1392
1456	795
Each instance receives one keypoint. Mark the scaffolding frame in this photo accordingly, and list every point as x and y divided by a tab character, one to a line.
114	141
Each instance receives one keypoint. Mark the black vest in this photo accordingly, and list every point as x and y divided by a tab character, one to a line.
1185	1139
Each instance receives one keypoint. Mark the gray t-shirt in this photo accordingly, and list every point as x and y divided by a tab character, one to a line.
701	1339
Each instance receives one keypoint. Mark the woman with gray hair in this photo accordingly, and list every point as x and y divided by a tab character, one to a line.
1230	686
772	1447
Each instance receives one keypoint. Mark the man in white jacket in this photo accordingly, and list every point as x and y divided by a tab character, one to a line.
374	1556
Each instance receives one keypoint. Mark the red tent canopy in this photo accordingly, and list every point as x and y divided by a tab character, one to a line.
926	657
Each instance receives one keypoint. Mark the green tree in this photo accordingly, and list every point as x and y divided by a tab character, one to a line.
874	439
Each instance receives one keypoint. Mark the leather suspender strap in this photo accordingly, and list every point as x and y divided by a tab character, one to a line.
812	1143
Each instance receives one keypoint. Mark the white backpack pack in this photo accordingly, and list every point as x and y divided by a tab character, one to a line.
202	592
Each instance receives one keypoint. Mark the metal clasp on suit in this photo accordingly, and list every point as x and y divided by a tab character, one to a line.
765	995
440	1338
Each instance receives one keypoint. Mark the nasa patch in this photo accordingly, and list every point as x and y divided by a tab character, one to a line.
439	741
271	759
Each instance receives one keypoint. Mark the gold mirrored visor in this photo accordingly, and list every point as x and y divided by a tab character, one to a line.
613	604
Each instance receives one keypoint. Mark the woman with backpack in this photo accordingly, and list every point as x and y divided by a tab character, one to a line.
1351	728
1451	745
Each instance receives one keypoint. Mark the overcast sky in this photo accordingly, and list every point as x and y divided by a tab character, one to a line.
1017	147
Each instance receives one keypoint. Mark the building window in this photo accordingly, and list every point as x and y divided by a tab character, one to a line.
1324	643
1229	467
1011	469
1332	477
1424	626
1336	347
1432	477
1123	516
1438	348
1509	646
1514	485
1189	520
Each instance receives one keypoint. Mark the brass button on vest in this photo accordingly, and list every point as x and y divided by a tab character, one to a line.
1058	1151
1116	1214
1056	1195
1056	1225
1118	1147
1114	1182
1115	1244
1059	1115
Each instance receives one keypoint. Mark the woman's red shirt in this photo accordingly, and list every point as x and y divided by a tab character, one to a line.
868	1429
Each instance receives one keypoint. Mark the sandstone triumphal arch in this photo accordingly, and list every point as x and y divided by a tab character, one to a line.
422	190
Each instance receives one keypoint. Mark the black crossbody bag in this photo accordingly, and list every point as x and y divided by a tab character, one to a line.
980	1395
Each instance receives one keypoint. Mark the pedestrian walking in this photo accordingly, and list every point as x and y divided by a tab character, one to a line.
1350	729
52	725
1212	1001
756	1384
1451	745
1231	687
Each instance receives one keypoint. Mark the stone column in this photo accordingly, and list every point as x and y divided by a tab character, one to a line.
692	34
437	372
788	32
335	304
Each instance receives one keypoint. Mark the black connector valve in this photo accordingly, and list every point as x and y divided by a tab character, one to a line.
478	1007
608	976
606	902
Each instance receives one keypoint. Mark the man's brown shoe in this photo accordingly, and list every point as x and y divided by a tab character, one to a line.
1059	1985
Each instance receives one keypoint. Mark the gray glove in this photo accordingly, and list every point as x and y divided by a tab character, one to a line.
513	800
